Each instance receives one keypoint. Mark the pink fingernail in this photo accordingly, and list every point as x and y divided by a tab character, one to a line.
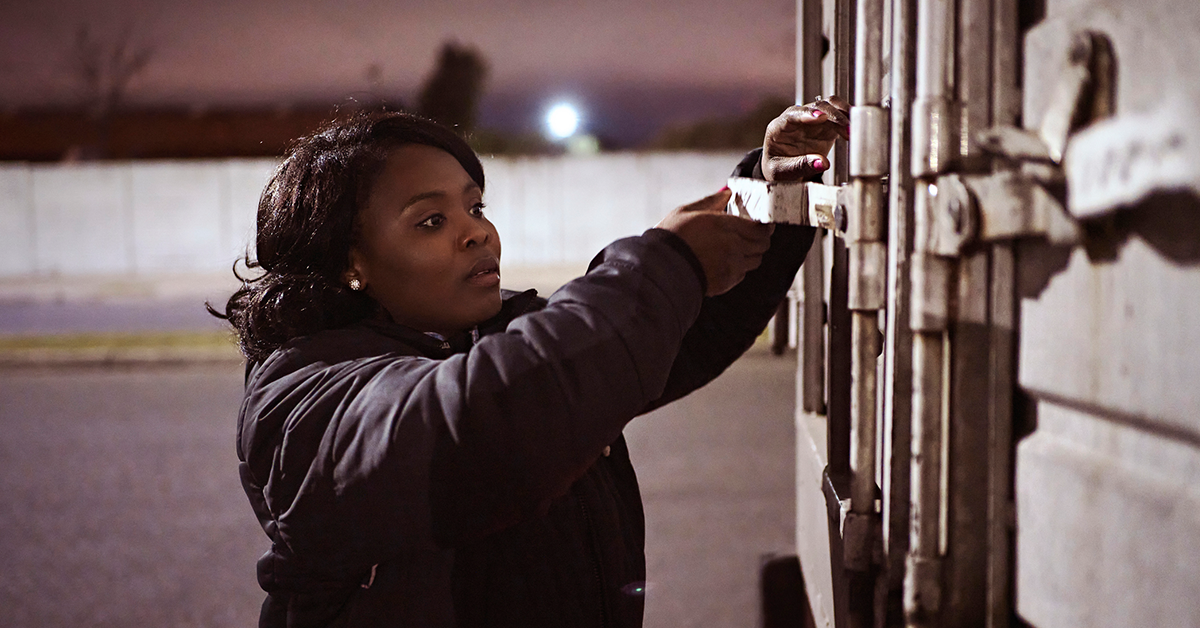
817	162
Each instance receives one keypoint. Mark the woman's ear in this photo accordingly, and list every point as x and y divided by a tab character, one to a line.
354	275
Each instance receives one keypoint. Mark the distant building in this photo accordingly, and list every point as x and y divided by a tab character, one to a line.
73	134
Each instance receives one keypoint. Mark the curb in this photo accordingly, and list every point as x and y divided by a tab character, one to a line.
118	356
112	349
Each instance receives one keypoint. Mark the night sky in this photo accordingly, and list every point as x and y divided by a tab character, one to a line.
630	65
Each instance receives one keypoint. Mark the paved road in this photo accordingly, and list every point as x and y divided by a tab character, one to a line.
121	505
717	473
133	316
121	501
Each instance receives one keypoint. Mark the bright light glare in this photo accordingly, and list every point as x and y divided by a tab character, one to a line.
562	120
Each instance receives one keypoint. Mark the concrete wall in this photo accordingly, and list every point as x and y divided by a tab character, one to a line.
147	218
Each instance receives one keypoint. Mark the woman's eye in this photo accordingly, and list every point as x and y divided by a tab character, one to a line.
433	221
477	209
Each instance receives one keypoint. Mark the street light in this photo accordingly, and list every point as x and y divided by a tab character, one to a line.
562	121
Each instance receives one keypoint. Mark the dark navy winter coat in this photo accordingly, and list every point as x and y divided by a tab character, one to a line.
405	481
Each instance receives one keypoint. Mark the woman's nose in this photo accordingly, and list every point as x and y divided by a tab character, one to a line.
473	234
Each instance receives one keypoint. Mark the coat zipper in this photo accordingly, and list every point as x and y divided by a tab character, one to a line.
595	553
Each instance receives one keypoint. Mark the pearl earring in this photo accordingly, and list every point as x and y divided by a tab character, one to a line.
355	285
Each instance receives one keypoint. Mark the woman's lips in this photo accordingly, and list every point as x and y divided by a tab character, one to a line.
485	273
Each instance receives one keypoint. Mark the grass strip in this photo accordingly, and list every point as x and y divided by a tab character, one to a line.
137	340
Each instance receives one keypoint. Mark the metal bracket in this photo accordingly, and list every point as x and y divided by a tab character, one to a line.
1001	206
1012	206
1084	93
1027	201
1120	161
800	203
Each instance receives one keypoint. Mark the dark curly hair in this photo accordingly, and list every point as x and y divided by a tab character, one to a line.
307	219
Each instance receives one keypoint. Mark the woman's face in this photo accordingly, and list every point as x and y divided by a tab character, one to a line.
425	250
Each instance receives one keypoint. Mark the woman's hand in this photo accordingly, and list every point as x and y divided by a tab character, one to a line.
727	246
797	143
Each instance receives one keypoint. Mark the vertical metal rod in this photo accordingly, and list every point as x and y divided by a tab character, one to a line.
839	325
933	144
922	586
1006	43
935	36
935	141
965	564
1000	388
974	81
868	62
808	50
843	84
811	369
898	377
865	337
838	398
868	291
811	292
867	166
1006	103
968	470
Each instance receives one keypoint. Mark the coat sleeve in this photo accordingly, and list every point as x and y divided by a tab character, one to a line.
729	323
356	458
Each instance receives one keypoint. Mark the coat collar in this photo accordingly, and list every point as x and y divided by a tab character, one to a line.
514	305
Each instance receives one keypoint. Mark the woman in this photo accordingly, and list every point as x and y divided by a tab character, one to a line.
426	449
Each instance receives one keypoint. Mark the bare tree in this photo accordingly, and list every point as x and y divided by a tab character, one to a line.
104	71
